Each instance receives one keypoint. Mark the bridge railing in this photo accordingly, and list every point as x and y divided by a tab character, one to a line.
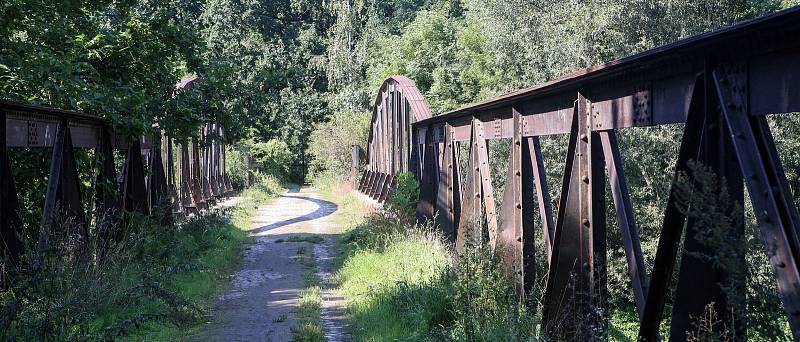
161	192
720	85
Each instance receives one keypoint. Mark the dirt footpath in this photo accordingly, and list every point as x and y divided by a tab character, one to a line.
263	296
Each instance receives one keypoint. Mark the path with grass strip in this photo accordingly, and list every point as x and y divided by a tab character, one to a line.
284	281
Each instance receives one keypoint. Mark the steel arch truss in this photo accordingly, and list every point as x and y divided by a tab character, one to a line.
389	151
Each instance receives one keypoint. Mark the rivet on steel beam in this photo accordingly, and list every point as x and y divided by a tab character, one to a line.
781	264
477	195
517	142
584	138
586	222
517	173
586	179
519	239
519	205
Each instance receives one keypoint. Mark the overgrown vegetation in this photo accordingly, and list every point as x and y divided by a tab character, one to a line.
309	327
460	52
156	284
402	283
293	82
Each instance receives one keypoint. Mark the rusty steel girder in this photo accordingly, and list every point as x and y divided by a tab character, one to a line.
720	85
397	105
154	192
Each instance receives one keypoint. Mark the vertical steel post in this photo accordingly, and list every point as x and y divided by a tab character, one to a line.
487	190
448	194
674	219
160	202
134	190
197	183
539	174
510	234
63	205
469	224
575	284
427	194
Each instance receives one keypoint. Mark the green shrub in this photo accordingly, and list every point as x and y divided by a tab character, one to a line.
236	166
273	157
404	197
331	143
402	284
155	284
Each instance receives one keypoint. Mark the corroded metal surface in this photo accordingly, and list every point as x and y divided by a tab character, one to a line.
719	84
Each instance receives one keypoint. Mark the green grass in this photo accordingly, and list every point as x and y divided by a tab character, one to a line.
309	326
302	238
220	259
400	283
157	284
376	282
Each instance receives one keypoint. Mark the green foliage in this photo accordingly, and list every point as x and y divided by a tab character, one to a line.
405	195
158	276
236	167
402	285
331	143
705	199
272	157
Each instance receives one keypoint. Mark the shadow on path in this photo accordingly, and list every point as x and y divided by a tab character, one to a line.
324	208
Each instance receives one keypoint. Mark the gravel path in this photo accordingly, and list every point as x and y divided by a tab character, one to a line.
263	296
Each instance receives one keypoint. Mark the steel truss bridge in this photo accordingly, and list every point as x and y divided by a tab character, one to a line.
721	85
181	177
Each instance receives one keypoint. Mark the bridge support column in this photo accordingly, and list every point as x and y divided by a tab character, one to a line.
516	236
576	284
426	205
470	223
777	215
160	203
448	201
63	214
134	189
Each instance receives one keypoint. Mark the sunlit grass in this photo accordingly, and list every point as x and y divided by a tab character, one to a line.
309	326
373	280
222	240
